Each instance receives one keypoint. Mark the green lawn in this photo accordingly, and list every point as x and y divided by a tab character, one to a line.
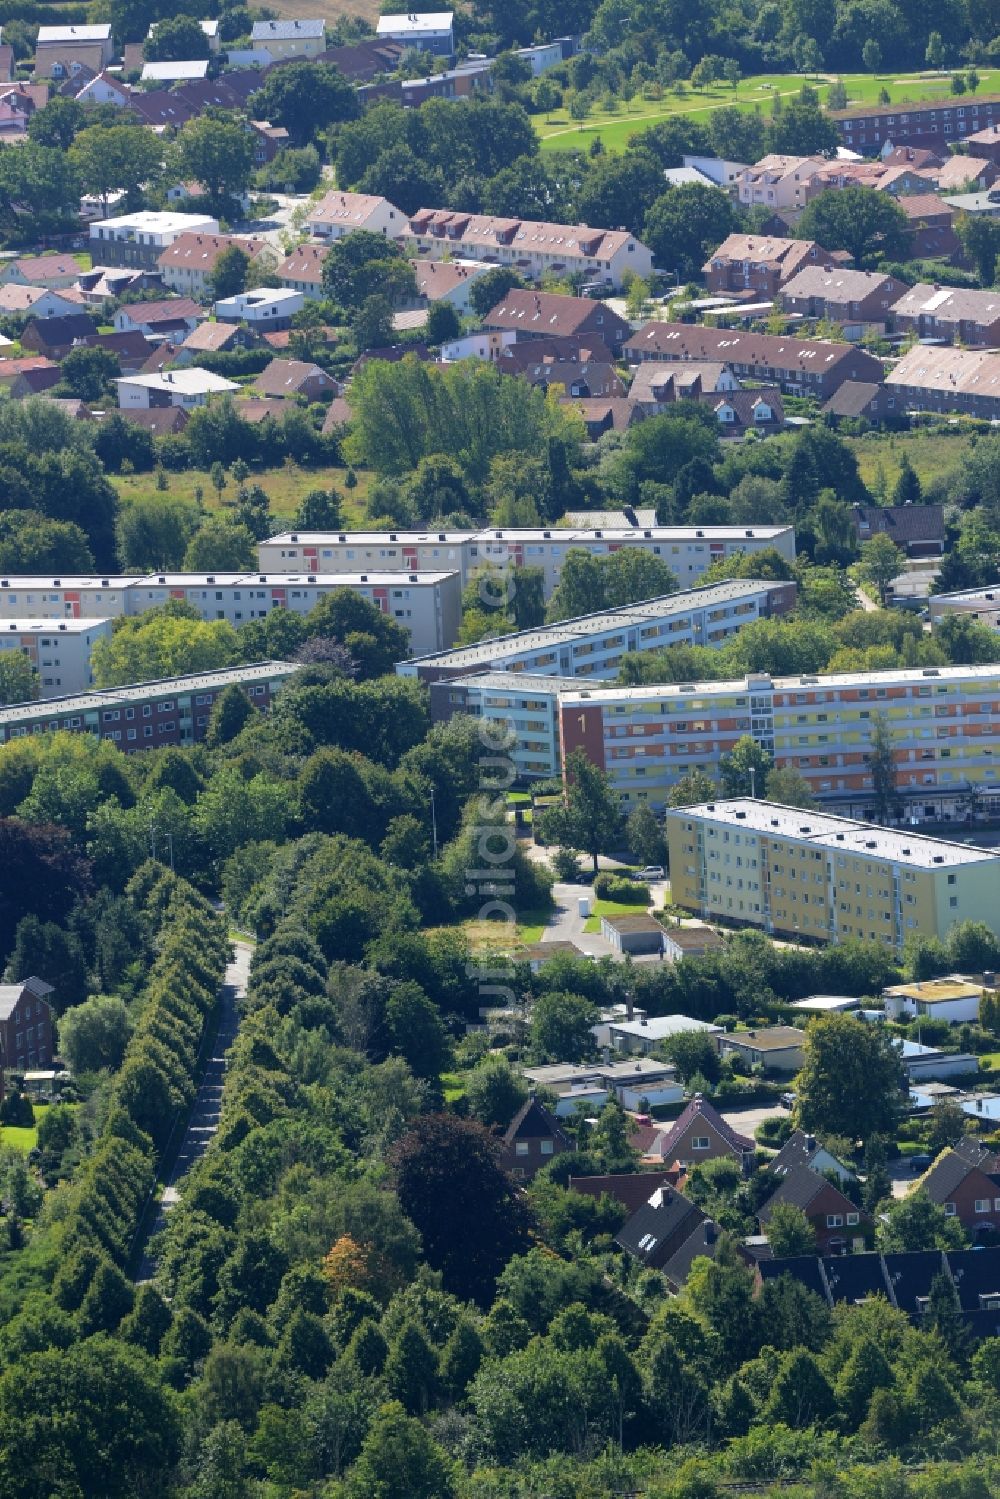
23	1139
453	1086
932	452
558	132
285	486
612	908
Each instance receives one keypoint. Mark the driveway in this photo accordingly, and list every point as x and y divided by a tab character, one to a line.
746	1120
278	223
567	925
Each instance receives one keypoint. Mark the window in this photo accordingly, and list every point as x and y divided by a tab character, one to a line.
548	1147
521	1147
852	1219
834	1220
949	1210
982	1204
700	1142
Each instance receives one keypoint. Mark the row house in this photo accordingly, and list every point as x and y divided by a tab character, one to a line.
534	315
760	265
530	247
146	715
799	366
958	314
687	550
189	261
948	380
779	182
936	124
858	300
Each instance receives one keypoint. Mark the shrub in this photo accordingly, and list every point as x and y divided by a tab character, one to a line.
609	886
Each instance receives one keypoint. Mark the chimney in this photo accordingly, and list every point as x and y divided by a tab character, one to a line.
810	1142
629	1006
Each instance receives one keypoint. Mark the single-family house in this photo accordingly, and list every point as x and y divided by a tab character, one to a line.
160	421
268	140
262	309
61	50
802	1149
930	233
779	181
287	39
340	213
214	338
295	377
632	1189
38	301
25	1026
160	320
839	1224
174	71
52	271
55	336
533	1138
701	1134
864	399
953	999
658	1229
11	370
917	529
642	1034
965	1182
448	281
35	382
184	387
775	1048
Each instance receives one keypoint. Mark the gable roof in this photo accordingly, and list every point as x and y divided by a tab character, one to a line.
162	421
853	398
284	377
171	311
805	1268
941	1180
534	1122
63	329
700	1110
525	310
657	1229
632	1189
776	351
41	269
799	1149
211	337
304	263
904	523
800	1186
853	1277
201	251
703	1241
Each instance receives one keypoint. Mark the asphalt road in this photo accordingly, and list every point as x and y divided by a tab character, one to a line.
207	1110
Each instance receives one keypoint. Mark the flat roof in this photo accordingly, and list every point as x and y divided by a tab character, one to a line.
602	692
936	991
74	33
656	1027
71	584
157	223
510	681
202	681
842	834
569	536
826	1003
192	381
637	923
581	626
771	1038
35	626
431	20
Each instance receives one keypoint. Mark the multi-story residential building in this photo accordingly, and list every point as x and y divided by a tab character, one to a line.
944	722
811	876
61	51
687	550
338	214
982	603
935	378
530	247
427	604
286	39
545	315
936	124
525	704
428	31
302	270
139	239
858	300
962	314
594	645
801	366
59	651
25	1026
760	264
263	309
146	715
186	265
779	182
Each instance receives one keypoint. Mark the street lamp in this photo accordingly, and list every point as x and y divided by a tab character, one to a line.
434	826
753	782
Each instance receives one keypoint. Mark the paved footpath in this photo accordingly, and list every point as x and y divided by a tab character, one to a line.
205	1115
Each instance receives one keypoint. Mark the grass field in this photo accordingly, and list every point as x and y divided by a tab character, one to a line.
932	454
602	908
558	132
285	487
23	1139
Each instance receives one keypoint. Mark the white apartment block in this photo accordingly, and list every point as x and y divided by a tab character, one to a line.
687	550
58	649
427	605
529	246
944	723
594	645
338	214
140	238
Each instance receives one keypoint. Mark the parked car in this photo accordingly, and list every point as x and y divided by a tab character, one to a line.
652	872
